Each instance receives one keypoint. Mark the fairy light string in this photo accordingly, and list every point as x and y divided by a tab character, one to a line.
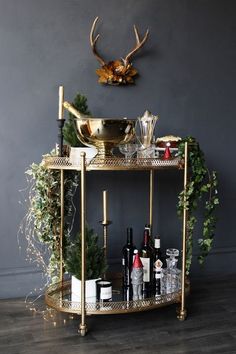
40	227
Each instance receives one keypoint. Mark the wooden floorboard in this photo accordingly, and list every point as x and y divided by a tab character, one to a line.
209	328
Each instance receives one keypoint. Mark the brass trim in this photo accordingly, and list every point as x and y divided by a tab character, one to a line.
62	226
182	308
54	299
114	164
83	240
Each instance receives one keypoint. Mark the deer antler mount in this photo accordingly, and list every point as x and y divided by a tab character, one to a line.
116	72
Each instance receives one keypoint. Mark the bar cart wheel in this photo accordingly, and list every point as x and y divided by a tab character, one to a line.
83	330
181	314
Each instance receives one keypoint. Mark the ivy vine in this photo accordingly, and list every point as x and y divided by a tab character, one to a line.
201	189
41	224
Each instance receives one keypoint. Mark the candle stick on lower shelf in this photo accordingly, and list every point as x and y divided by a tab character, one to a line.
105	223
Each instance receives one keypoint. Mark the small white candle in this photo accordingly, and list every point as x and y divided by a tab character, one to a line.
61	100
105	206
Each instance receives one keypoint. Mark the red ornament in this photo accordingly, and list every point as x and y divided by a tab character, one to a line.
167	153
137	261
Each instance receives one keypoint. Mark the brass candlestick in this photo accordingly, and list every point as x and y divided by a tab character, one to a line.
105	223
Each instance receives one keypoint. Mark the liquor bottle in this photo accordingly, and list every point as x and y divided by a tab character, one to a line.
147	261
157	268
148	228
127	262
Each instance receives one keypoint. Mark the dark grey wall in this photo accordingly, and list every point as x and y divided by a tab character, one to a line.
187	76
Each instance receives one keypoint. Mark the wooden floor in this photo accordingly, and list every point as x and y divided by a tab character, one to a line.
209	328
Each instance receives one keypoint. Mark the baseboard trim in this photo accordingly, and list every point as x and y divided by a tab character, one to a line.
20	282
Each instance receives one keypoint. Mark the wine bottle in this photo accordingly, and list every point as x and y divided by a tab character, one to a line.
157	268
127	262
148	228
147	260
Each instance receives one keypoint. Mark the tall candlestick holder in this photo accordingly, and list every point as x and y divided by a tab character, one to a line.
105	224
60	123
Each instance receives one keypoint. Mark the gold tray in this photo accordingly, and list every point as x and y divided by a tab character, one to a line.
58	297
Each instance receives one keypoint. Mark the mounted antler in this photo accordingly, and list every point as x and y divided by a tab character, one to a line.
116	72
139	44
93	42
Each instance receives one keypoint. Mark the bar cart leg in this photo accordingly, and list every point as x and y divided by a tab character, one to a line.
151	191
62	227
182	313
83	327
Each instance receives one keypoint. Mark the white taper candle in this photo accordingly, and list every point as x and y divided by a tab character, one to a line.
61	100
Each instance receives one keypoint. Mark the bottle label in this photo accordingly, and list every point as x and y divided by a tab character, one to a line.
146	269
106	293
157	275
158	265
157	243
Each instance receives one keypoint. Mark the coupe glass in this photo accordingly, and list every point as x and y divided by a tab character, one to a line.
128	150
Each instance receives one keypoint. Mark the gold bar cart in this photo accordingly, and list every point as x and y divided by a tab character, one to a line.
58	295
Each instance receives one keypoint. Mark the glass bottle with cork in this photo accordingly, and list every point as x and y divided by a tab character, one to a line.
147	254
127	262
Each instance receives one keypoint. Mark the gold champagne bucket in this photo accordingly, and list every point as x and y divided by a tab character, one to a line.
102	133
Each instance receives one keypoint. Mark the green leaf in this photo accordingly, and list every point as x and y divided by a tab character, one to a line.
202	185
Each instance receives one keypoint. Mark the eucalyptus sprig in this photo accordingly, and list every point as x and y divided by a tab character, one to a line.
201	187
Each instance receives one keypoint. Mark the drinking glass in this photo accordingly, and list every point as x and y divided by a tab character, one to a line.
128	150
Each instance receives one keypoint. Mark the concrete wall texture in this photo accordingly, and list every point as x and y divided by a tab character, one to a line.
187	76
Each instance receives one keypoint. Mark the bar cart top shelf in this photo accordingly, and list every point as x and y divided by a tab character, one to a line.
114	164
58	296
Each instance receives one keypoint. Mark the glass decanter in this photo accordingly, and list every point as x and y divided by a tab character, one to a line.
171	281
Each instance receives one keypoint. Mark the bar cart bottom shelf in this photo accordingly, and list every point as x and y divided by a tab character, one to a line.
58	296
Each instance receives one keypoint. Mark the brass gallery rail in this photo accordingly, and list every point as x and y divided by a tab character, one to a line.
114	163
58	297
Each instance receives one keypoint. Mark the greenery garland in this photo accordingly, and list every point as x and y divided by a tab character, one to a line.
41	224
201	187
